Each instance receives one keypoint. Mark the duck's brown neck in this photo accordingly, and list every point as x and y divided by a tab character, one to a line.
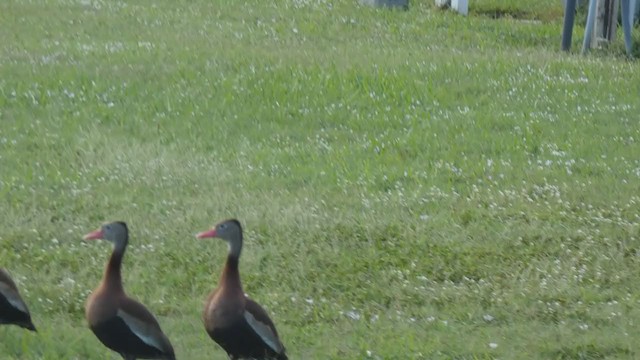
230	278
112	277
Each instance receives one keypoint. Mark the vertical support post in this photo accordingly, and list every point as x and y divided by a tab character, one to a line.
627	16
591	19
613	21
567	28
600	23
461	6
606	22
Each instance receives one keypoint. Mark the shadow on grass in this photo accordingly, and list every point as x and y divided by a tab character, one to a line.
520	13
498	13
591	351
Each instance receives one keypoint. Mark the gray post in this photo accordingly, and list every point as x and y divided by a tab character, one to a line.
567	29
606	22
627	17
612	24
588	32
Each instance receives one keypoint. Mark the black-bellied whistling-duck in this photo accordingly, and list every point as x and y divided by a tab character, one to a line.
12	309
121	323
238	324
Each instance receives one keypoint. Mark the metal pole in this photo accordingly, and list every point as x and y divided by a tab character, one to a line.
567	29
626	24
591	19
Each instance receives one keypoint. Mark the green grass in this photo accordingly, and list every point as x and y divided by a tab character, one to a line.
413	184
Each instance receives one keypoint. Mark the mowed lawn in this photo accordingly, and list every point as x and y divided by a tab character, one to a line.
413	185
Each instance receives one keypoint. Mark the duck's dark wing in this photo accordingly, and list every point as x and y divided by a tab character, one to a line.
134	331
12	309
260	323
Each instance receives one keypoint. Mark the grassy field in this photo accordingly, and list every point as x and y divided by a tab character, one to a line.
414	185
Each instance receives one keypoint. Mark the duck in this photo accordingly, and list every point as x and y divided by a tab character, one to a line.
13	310
235	322
121	323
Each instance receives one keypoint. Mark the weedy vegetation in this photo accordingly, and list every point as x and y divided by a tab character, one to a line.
414	185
